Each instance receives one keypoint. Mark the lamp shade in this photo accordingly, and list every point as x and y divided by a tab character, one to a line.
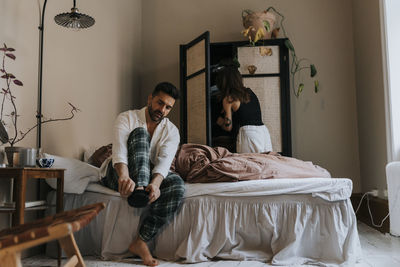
74	20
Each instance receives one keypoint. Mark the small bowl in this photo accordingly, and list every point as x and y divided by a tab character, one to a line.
45	162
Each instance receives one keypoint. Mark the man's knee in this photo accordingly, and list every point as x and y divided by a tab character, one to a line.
175	184
138	133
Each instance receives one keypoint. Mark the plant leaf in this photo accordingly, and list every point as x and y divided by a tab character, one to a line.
316	86
18	82
300	89
10	49
267	26
289	45
236	62
10	56
3	49
313	70
2	70
259	35
245	32
8	75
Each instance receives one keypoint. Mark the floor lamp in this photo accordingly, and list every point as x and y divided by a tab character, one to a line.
73	20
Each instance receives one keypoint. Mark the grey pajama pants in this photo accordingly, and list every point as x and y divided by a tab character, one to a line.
172	187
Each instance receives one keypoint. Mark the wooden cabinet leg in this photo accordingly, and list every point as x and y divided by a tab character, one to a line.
68	244
60	205
19	198
60	192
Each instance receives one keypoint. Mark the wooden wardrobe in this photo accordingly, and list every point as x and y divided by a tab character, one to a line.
270	82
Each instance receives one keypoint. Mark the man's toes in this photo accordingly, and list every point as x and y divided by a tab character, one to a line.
152	262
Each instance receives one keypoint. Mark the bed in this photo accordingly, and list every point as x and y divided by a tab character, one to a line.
279	221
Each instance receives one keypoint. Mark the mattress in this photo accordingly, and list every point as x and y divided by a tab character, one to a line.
280	221
328	189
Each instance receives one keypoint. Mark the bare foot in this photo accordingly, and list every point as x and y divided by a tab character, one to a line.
140	248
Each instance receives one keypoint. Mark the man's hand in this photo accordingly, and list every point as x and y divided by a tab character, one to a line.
154	192
154	187
125	186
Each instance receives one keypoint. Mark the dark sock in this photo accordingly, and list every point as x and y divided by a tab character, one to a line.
138	199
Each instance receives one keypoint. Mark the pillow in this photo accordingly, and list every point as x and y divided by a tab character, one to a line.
88	152
77	174
100	155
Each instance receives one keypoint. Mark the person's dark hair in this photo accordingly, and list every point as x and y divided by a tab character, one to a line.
167	88
230	83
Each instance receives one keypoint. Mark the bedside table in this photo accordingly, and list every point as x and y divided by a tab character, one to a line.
20	176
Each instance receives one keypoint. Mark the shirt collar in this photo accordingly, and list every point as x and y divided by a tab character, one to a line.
142	114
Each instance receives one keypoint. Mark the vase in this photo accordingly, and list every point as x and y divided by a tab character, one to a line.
12	153
20	156
255	20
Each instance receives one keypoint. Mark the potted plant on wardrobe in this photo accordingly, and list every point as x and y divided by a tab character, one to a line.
10	132
260	25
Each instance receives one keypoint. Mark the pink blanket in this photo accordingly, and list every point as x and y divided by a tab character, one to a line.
203	164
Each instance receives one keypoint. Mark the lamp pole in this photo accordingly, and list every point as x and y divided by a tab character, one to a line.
39	102
74	20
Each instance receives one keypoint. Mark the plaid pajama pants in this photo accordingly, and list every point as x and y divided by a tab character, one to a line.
172	187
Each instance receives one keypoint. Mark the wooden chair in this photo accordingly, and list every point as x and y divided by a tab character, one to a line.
60	226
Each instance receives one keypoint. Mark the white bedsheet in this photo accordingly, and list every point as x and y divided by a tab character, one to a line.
330	189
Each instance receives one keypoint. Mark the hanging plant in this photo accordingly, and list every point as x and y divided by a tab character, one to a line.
260	26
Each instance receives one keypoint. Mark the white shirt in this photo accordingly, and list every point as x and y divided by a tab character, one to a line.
163	144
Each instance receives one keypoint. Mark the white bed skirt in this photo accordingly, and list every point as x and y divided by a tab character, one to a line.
279	229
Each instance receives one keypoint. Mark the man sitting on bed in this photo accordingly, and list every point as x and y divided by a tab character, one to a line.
145	143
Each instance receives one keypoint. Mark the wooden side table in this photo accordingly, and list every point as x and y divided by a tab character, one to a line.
20	176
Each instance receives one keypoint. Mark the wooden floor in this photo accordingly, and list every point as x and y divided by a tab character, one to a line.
379	250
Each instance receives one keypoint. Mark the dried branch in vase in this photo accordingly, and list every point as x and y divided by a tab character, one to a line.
10	120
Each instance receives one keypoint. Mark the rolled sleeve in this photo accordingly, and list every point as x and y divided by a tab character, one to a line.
166	153
121	133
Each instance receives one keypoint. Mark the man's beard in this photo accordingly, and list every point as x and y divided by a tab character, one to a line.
155	115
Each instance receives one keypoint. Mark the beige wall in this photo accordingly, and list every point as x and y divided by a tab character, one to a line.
370	94
96	69
324	125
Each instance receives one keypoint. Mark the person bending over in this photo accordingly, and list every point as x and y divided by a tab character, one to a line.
145	143
241	111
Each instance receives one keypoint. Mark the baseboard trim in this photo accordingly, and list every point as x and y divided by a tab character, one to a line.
379	209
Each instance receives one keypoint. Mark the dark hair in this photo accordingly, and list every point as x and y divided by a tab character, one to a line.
230	83
167	88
